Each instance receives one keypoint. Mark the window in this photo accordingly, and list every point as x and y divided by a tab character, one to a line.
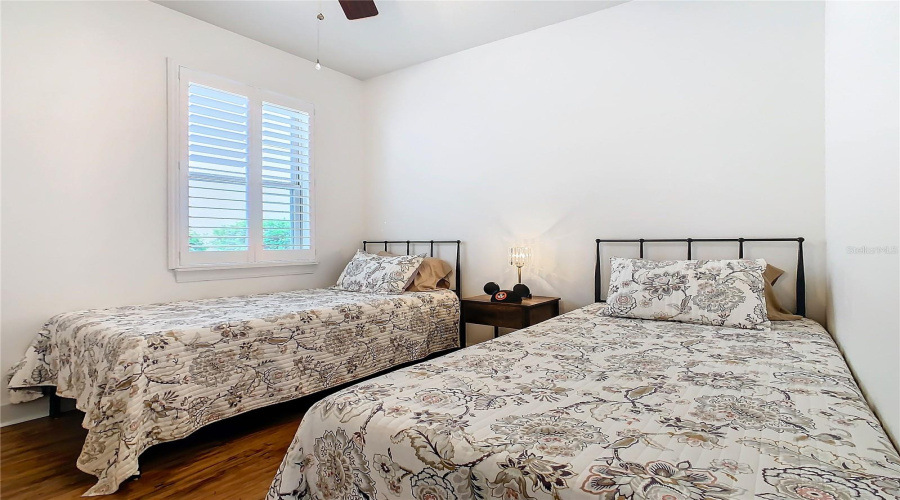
241	167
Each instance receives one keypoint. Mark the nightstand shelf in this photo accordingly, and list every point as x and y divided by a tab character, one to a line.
481	310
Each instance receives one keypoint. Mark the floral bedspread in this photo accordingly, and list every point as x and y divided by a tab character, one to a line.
148	374
586	406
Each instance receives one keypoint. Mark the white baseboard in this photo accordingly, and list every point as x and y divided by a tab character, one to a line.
13	414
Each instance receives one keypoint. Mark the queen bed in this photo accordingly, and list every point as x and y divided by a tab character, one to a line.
148	374
592	405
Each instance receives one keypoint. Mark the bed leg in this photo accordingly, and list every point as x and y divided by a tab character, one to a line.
55	405
462	332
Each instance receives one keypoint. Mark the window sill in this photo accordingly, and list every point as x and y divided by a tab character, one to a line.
228	272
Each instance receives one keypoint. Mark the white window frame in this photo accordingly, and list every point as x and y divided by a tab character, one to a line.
256	261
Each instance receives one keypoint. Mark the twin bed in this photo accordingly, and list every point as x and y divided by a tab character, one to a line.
586	405
148	374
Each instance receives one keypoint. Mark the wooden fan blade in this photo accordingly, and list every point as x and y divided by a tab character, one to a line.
359	9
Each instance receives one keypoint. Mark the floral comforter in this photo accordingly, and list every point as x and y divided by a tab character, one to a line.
586	406
149	374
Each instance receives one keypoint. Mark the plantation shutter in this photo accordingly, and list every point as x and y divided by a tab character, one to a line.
218	165
286	215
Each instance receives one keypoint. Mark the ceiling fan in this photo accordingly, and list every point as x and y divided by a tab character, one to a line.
359	9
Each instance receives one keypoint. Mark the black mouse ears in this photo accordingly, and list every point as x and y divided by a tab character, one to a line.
522	291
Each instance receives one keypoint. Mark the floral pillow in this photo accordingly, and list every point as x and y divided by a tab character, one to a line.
708	292
372	273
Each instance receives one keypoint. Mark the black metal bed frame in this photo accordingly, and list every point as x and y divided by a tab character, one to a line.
432	243
801	273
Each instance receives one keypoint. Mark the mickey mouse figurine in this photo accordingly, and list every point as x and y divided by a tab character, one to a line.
513	296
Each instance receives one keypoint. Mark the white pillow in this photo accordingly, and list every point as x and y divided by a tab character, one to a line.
372	273
709	292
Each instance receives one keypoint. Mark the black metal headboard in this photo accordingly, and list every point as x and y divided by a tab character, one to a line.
432	243
801	274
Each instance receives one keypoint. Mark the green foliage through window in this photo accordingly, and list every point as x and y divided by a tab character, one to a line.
276	236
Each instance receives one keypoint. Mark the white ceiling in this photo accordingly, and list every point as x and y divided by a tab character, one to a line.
404	32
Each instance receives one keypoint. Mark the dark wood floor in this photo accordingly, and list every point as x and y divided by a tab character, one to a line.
233	459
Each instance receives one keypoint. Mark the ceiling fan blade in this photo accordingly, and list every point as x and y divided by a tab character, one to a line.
359	9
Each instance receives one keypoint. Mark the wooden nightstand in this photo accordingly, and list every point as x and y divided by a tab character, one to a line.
481	310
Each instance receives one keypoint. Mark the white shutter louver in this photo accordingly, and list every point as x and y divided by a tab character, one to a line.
286	214
218	164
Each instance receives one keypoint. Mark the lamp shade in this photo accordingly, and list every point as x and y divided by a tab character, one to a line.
519	256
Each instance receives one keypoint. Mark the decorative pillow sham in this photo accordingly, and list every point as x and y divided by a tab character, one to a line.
372	273
708	292
433	274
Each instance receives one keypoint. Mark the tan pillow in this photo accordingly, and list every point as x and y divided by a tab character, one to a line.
432	274
774	308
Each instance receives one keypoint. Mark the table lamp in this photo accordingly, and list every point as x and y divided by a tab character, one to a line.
519	256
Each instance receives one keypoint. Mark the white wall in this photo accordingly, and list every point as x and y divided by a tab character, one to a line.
862	158
84	158
649	119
